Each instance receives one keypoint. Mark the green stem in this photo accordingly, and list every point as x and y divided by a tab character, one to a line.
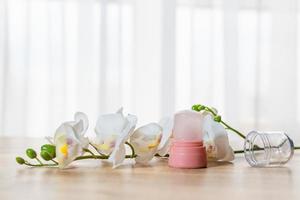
40	165
89	151
210	110
224	123
232	129
238	151
54	161
257	149
93	146
132	149
39	160
97	149
165	156
91	157
99	157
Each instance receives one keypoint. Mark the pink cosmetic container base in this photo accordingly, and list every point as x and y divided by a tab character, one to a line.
187	150
188	154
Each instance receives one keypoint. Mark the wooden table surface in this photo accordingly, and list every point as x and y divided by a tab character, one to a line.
93	179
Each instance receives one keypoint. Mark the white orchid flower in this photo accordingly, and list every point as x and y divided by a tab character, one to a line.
145	140
216	141
112	131
166	124
70	141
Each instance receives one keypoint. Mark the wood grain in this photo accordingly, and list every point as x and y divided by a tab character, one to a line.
92	179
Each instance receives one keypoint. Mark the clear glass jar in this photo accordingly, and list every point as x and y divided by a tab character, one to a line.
263	149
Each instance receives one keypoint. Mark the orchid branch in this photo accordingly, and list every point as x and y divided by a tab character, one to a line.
217	118
99	157
101	154
89	151
132	149
48	151
46	155
40	165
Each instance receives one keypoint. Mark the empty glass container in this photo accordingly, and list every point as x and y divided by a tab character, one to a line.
264	149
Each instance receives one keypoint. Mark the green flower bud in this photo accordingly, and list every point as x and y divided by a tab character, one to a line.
201	107
50	149
20	160
217	118
31	153
45	155
195	107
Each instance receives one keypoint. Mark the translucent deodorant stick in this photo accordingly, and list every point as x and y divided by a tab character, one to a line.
187	150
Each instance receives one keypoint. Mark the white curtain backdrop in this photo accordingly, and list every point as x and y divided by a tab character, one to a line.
152	57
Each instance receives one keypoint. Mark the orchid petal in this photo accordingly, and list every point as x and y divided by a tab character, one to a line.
167	124
108	129
70	141
68	147
216	141
145	141
112	131
85	122
80	126
118	154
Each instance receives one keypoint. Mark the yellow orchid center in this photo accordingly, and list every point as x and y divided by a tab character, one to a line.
64	150
155	143
104	146
108	143
152	145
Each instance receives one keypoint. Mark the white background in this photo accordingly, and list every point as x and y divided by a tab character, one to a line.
153	57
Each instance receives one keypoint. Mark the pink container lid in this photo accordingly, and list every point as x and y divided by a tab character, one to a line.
187	154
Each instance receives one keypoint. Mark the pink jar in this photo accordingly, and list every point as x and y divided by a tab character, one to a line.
187	154
187	150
